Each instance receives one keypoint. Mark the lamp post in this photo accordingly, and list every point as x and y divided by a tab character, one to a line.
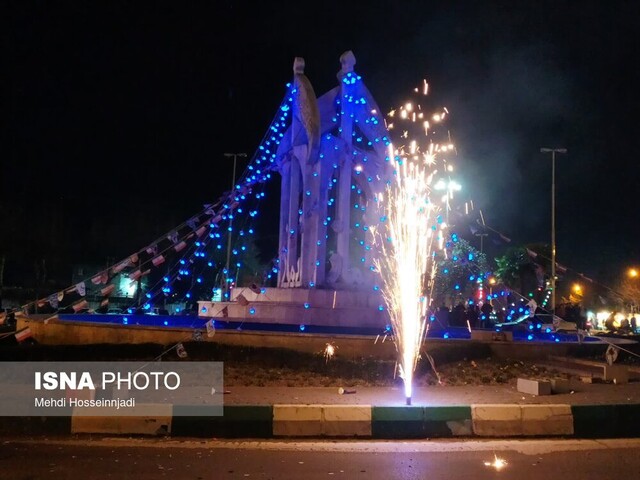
553	152
225	289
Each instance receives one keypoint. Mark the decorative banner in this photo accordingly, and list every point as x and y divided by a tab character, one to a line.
104	303
197	336
173	236
157	260
180	246
108	290
60	296
201	231
225	312
192	223
152	249
242	300
23	334
135	275
134	258
531	253
211	329
81	289
121	266
41	303
101	278
180	350
79	305
53	300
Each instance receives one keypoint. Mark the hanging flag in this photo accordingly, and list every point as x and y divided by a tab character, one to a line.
180	246
79	305
134	258
211	329
242	300
121	266
225	312
255	289
53	300
152	249
561	268
108	290
100	278
60	296
531	253
173	236
201	231
180	350
157	260
197	336
104	303
41	303
70	289
81	288
216	219
23	334
133	276
192	223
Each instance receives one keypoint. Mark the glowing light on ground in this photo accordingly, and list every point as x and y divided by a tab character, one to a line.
497	463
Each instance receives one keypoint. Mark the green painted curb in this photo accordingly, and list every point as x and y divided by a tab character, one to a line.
237	421
416	422
606	421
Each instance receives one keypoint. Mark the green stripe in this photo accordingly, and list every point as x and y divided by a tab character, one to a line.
416	421
602	421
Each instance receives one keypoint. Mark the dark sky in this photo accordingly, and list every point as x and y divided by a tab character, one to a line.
117	114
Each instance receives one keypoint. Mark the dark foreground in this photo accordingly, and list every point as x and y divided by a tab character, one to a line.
143	459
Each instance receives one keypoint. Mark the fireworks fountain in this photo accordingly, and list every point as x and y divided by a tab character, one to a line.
411	237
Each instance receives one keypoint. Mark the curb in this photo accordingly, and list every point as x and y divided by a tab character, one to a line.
362	421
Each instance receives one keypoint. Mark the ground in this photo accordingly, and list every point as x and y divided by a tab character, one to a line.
469	364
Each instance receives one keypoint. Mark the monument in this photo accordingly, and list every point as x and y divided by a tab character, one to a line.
334	163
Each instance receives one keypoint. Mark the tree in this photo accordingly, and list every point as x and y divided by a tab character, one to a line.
523	269
458	274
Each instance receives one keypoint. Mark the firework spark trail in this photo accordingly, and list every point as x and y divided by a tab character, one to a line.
406	261
407	241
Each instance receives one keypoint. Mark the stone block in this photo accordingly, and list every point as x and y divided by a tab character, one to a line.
534	387
616	373
297	420
346	420
560	385
496	420
547	420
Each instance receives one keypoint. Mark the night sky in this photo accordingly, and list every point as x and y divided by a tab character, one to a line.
117	114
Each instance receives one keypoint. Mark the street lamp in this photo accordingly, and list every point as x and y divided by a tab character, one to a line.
225	289
553	152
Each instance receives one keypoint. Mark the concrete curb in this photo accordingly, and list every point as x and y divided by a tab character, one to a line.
363	421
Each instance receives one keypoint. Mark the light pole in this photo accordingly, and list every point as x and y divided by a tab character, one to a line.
553	152
225	289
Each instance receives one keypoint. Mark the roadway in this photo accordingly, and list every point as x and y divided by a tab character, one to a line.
145	459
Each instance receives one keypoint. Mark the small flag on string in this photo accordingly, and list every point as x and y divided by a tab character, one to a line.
181	351
133	276
531	253
152	249
242	300
192	223
173	236
197	336
81	288
134	258
53	300
104	303
157	260
561	268
101	278
108	290
121	266
211	329
79	305
225	312
23	334
201	231
180	246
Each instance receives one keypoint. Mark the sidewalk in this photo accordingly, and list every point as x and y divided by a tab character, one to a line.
590	411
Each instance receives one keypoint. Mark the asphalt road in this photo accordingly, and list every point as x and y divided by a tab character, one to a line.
143	459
